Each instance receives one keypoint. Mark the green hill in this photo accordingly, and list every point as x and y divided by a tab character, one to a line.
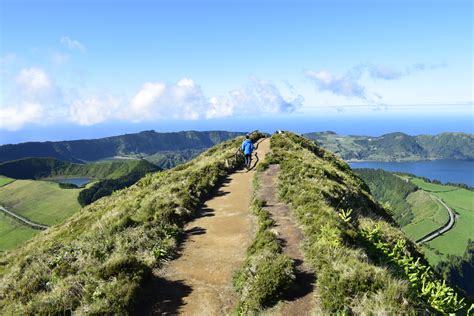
397	146
43	168
104	258
141	144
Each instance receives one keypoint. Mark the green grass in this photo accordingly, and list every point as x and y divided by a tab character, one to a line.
429	215
318	186
40	201
5	180
100	260
13	233
461	201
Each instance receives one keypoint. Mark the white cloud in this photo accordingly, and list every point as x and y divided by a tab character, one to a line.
34	80
384	72
387	73
183	100
349	85
73	44
186	100
346	85
39	100
94	110
15	117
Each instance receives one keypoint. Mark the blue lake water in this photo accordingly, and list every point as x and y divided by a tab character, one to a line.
77	181
455	171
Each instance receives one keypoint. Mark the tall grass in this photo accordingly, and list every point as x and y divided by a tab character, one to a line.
101	259
318	187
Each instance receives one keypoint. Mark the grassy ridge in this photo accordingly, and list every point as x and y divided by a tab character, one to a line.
352	276
100	260
41	168
40	201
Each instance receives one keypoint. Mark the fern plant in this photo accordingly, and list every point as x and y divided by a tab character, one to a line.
437	294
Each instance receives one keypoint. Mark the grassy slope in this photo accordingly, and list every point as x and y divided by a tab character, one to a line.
429	215
5	181
101	259
40	201
317	186
462	202
13	233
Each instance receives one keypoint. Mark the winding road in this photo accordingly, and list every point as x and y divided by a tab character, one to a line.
23	219
444	228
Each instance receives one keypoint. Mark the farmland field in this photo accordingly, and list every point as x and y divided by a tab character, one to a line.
13	233
40	201
461	201
429	215
5	180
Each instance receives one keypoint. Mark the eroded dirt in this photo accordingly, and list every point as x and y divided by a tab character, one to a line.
301	299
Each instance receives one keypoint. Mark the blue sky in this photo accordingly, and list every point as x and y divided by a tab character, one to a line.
108	67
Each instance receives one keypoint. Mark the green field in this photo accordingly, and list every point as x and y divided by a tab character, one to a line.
40	201
461	201
5	181
13	233
429	215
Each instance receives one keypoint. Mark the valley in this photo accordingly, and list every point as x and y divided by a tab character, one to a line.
146	235
419	210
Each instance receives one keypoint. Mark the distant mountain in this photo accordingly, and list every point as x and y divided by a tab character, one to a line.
398	146
40	168
141	144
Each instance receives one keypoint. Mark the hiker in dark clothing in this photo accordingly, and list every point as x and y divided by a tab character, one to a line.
247	148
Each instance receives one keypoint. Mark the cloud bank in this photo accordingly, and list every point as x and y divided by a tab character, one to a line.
40	101
349	85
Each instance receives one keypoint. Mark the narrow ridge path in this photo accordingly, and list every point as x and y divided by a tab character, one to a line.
300	300
199	282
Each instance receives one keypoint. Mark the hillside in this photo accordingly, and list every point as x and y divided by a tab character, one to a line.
397	146
41	168
413	204
141	144
109	257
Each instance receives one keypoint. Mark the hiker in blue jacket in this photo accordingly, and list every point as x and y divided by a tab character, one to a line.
247	148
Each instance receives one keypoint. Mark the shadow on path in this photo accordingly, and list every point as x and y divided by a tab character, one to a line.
303	285
164	297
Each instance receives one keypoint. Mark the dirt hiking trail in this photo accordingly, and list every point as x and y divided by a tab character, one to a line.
199	281
301	299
